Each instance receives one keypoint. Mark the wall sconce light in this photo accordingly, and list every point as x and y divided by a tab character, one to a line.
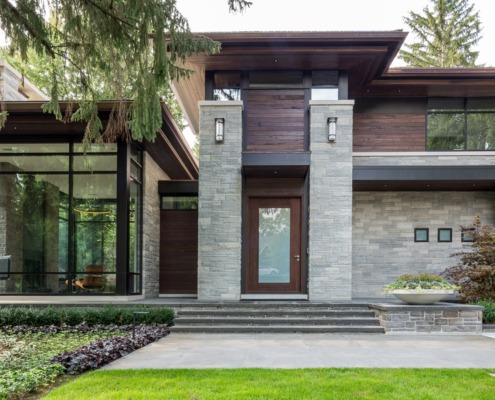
219	129
332	129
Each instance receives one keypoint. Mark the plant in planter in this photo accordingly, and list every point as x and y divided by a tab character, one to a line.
421	288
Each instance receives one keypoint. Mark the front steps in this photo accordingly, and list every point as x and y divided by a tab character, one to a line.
275	317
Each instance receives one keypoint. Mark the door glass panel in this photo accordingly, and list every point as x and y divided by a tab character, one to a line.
274	245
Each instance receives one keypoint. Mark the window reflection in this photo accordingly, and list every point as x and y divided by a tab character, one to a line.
274	245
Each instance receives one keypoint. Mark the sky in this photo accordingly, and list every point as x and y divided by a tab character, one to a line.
325	15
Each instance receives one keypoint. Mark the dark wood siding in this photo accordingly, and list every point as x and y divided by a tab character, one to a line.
275	120
389	132
178	252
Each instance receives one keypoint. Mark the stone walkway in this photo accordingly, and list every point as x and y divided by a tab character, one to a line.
180	350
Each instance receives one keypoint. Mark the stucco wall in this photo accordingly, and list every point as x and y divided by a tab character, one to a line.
383	233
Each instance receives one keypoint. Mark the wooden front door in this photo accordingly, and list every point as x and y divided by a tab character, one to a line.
179	252
274	245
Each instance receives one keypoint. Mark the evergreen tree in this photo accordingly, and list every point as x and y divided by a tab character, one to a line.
446	35
106	50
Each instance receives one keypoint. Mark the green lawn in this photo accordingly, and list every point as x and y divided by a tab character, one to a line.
358	383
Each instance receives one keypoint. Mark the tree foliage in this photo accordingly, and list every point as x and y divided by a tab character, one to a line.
446	34
475	272
121	50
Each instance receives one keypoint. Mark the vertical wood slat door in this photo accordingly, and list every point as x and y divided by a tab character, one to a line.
274	245
275	120
178	252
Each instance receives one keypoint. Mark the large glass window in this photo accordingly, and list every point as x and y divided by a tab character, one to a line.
135	224
461	124
58	219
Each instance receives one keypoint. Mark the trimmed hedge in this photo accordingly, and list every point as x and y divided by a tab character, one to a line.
488	312
106	315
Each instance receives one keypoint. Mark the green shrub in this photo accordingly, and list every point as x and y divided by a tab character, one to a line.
420	282
488	312
475	272
107	315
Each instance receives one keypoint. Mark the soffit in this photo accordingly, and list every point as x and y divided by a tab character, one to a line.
431	82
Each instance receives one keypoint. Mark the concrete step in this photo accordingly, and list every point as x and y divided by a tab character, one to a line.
182	321
300	313
271	317
273	305
278	329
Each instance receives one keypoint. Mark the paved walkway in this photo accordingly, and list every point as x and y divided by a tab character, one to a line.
188	350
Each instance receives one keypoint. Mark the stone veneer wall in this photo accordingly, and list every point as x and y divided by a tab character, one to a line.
440	318
330	202
220	203
383	233
151	226
452	158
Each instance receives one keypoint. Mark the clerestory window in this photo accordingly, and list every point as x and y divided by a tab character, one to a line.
459	124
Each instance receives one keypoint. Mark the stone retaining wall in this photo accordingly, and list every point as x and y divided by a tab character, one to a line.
441	318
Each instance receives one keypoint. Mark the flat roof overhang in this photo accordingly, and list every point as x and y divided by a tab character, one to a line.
423	178
431	82
275	165
370	52
170	150
366	55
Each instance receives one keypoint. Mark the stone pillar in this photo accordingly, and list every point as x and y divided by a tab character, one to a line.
330	202
151	226
220	202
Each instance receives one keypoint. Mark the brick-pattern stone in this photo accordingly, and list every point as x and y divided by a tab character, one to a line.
330	203
383	233
458	158
220	203
151	226
448	319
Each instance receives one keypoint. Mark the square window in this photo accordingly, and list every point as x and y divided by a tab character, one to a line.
421	234
466	237
444	234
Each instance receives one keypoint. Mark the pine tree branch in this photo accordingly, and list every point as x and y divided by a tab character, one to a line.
26	24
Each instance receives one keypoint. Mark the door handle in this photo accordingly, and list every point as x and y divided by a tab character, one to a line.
298	257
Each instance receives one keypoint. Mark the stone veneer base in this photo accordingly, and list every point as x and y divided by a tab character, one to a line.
439	318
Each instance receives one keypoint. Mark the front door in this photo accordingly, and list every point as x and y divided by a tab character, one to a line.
274	245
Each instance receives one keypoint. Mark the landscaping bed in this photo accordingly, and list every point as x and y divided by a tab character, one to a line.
37	345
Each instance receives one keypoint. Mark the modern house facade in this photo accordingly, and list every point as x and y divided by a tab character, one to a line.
323	175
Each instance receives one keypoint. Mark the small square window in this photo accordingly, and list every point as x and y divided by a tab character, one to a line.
444	234
421	234
467	237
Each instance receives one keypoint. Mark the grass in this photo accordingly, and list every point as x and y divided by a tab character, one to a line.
273	384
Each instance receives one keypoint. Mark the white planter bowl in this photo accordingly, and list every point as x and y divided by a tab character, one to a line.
425	296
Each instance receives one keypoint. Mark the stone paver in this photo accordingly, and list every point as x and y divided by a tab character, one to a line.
180	350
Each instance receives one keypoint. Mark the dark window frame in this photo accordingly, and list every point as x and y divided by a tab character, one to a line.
416	230
444	230
465	238
466	110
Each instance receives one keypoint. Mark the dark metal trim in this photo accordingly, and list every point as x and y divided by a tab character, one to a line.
178	188
343	85
123	192
423	173
276	159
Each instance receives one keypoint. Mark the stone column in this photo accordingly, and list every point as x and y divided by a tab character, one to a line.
151	226
220	202
330	202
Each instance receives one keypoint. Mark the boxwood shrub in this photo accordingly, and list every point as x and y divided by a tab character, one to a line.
91	315
488	312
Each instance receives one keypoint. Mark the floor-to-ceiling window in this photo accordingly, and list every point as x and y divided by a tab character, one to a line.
58	219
